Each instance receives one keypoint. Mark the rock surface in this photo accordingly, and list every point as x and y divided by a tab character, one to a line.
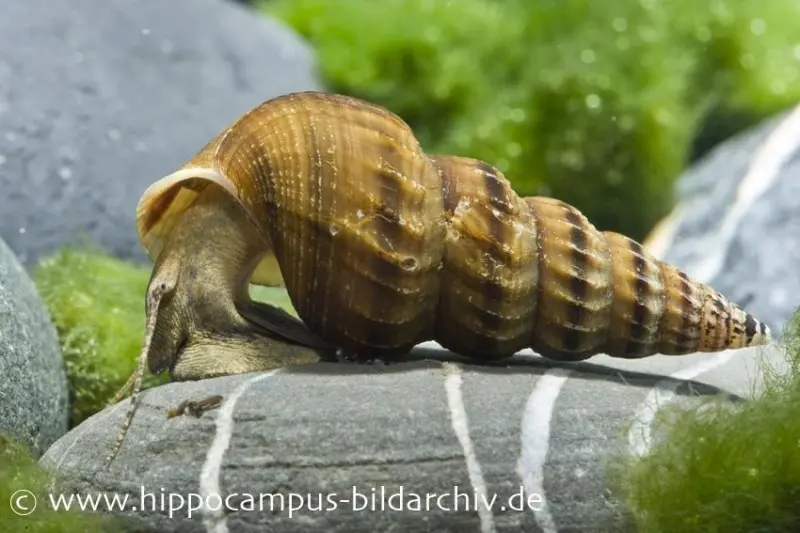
737	225
431	425
33	385
99	99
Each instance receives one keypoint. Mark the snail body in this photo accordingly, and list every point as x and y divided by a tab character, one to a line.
381	247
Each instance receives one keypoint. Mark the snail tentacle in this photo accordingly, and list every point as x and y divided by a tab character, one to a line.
196	294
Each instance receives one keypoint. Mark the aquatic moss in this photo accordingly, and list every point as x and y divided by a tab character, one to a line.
20	471
597	103
722	467
97	305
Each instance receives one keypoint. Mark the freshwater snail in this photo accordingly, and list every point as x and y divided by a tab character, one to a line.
381	247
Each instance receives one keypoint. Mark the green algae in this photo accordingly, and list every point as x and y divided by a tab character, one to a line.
97	305
25	504
723	467
597	103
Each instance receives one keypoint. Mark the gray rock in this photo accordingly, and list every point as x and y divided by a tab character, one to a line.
33	384
100	98
737	224
531	433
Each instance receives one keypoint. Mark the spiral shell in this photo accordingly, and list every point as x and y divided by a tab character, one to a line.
381	246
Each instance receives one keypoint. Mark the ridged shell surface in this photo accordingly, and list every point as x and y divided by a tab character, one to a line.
490	276
381	246
352	208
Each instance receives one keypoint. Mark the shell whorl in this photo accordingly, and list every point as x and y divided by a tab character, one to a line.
381	246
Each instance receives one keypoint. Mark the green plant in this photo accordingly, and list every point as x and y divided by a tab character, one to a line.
19	471
723	467
597	103
97	305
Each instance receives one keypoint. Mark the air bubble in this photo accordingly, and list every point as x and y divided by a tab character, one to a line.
514	149
334	229
65	173
409	263
593	101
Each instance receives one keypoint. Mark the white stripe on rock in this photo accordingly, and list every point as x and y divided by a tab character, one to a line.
640	432
776	151
458	417
215	519
535	436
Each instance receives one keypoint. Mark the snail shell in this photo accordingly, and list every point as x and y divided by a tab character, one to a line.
381	246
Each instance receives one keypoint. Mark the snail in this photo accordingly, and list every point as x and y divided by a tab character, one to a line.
381	247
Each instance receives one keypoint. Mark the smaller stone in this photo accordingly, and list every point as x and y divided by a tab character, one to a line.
33	384
736	225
